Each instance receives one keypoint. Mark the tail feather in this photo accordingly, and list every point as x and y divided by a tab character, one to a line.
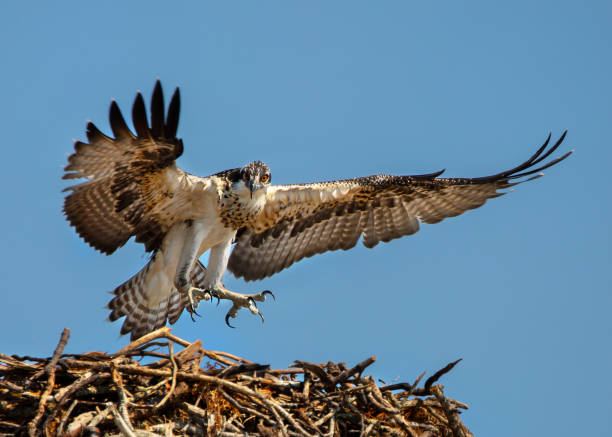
143	307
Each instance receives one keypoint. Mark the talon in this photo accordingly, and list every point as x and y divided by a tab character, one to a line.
192	312
239	301
195	295
192	309
252	306
212	294
192	304
227	317
265	292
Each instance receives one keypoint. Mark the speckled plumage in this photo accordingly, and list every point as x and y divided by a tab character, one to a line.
233	211
134	188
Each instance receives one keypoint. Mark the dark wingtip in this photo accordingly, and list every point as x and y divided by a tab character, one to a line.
157	89
139	116
117	122
429	176
157	111
548	138
519	170
172	119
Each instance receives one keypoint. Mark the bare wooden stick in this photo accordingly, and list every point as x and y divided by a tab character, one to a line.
231	356
434	378
448	411
120	421
123	399
62	424
173	384
161	332
50	370
359	368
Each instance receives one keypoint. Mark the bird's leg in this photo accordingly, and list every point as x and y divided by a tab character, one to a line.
217	263
194	233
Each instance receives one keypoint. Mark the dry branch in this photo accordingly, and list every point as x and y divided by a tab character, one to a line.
197	392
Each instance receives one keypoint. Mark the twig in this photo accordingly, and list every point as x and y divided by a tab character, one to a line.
318	371
79	423
176	339
434	378
332	426
99	417
327	417
62	424
50	370
231	356
450	414
359	368
161	332
120	421
9	385
123	399
290	371
404	386
184	355
9	424
173	384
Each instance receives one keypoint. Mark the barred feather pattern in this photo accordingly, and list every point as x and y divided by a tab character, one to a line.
114	203
133	188
132	300
300	221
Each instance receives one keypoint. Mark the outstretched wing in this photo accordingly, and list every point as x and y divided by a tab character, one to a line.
302	220
130	178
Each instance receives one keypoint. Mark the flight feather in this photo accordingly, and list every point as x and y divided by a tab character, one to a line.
302	220
125	176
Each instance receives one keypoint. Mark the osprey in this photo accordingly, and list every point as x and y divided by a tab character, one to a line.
134	188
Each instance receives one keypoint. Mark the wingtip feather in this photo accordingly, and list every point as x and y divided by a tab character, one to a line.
157	111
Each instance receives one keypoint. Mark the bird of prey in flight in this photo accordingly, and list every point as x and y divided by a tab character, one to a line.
133	188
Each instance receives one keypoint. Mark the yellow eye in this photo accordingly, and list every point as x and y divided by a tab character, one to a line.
245	176
265	178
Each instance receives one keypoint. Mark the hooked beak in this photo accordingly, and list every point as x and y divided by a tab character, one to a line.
253	187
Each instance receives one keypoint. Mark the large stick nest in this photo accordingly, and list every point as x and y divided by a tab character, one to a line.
184	389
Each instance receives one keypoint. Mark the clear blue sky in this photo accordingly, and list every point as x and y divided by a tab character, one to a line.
520	289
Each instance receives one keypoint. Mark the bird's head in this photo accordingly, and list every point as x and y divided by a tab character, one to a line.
256	176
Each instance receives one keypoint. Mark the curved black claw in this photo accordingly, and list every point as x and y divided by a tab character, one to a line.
263	293
253	305
212	294
227	317
192	312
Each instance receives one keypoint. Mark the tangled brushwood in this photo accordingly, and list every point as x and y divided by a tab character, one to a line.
194	391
